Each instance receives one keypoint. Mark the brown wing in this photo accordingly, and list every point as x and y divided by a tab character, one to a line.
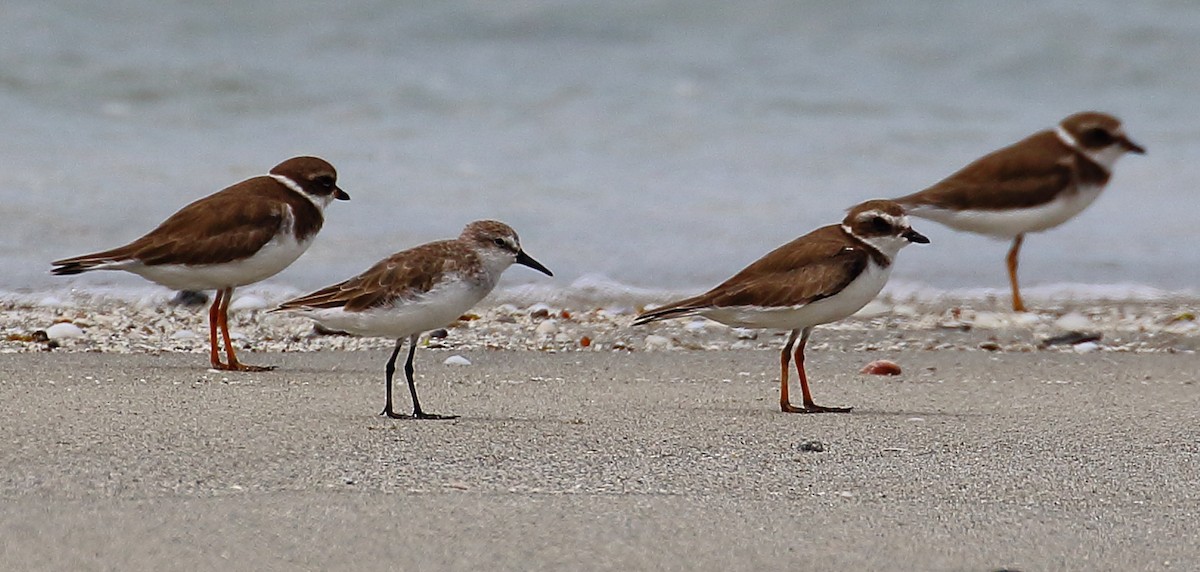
812	267
230	224
406	274
1025	174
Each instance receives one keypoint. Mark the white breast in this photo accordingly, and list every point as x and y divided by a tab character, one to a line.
850	300
434	309
271	259
1009	223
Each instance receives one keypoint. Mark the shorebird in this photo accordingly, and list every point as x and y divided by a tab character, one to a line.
416	290
238	236
1033	185
821	277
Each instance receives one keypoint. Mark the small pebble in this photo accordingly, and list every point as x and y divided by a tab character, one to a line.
539	311
183	335
745	333
1086	347
1070	339
190	298
881	367
696	325
248	302
63	330
456	360
988	321
989	346
1073	322
546	328
813	446
657	342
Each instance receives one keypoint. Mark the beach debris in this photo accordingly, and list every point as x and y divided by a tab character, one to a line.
540	311
1085	347
812	446
249	302
656	342
189	298
63	331
546	328
456	360
439	333
38	336
990	346
745	333
1073	322
881	367
1070	339
697	325
585	341
183	335
149	324
988	321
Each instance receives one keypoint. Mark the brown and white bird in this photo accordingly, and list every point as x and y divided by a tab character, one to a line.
821	277
1033	185
416	290
237	236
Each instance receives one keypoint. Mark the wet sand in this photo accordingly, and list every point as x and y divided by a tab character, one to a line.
674	460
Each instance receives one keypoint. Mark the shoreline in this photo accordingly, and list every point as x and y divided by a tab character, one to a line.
108	325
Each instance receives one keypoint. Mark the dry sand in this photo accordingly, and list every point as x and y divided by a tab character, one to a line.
676	460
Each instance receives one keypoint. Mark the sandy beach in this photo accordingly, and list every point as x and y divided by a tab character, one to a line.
677	460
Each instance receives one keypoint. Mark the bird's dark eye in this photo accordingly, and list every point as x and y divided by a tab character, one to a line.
499	242
881	224
1096	137
325	181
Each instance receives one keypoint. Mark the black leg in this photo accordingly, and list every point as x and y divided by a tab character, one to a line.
391	370
408	374
412	387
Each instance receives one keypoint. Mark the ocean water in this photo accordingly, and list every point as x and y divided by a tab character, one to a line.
638	147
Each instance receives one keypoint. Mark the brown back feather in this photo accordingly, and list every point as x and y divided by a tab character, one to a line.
221	226
791	275
1012	177
406	274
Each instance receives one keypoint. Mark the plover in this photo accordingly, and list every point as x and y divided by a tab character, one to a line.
416	290
1033	185
821	277
240	235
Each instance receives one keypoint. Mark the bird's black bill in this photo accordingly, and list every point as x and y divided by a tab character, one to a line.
526	260
1132	147
340	195
914	236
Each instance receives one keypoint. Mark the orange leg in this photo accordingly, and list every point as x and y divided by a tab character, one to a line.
809	405
785	359
223	324
213	320
1018	305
